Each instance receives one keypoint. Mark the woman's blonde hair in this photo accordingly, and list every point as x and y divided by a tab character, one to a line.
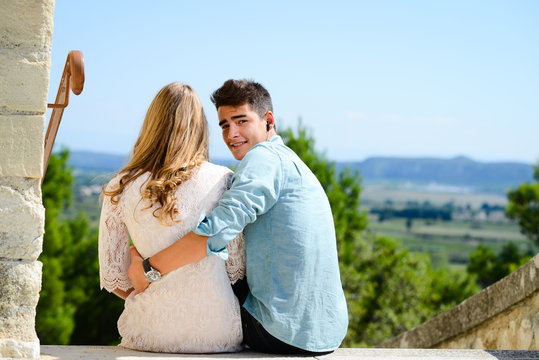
172	143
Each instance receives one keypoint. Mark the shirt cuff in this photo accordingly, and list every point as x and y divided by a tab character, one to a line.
204	228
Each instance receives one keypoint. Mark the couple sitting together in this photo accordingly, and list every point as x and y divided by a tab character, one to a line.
220	260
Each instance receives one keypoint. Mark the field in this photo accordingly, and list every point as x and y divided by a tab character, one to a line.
452	241
446	241
378	193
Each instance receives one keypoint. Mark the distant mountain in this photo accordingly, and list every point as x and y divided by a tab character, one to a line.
459	171
86	160
101	162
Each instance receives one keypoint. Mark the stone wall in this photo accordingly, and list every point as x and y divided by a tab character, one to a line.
517	328
503	316
25	51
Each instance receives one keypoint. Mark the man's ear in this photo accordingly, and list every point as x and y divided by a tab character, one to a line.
270	120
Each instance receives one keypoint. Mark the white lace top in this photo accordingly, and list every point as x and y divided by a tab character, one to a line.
191	309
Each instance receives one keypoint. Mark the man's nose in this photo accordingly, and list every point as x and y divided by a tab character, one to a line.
232	131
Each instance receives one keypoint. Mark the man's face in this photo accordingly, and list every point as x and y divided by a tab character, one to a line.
242	128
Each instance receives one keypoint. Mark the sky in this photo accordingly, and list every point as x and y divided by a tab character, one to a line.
367	78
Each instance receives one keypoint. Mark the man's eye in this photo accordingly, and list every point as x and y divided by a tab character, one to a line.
242	121
224	127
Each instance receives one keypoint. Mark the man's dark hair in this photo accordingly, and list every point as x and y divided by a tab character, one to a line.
240	92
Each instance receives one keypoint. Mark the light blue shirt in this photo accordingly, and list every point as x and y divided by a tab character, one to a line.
292	266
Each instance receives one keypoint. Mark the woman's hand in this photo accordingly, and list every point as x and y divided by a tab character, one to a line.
136	272
122	294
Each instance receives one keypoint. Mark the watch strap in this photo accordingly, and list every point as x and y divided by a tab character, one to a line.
146	265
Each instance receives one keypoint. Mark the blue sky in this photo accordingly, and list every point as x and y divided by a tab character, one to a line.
368	78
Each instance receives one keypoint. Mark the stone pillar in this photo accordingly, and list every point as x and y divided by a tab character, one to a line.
25	51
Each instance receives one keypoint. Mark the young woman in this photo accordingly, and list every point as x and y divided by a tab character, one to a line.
154	200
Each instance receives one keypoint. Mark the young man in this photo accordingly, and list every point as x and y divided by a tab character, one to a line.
292	300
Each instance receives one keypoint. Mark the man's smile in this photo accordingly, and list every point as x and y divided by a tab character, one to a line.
237	144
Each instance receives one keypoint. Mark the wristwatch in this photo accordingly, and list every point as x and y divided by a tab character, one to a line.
152	275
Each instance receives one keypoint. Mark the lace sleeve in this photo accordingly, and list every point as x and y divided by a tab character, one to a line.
235	265
114	257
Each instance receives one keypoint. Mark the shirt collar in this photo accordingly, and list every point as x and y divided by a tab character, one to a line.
276	139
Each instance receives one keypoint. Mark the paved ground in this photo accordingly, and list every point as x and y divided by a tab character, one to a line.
55	352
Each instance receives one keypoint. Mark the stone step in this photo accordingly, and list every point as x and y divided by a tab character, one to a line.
56	352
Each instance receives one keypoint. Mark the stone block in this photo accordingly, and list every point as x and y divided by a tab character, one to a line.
21	145
16	349
22	218
24	83
26	25
20	283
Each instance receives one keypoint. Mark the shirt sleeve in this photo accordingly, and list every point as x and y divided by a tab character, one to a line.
254	190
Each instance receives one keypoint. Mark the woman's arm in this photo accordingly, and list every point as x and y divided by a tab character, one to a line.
235	264
122	294
113	248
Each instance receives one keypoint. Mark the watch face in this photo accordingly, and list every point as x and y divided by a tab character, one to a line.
153	275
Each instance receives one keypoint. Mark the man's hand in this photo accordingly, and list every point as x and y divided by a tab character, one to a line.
188	249
136	272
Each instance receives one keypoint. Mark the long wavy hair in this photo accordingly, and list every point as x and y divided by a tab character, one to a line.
171	145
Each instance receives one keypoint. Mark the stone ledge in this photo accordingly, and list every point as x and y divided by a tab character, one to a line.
56	352
474	311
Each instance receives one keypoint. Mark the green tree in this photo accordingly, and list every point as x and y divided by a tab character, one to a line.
489	267
523	206
54	318
388	289
71	308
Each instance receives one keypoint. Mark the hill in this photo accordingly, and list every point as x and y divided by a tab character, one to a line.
99	162
460	171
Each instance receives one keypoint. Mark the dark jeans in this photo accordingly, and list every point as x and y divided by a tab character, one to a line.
254	334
